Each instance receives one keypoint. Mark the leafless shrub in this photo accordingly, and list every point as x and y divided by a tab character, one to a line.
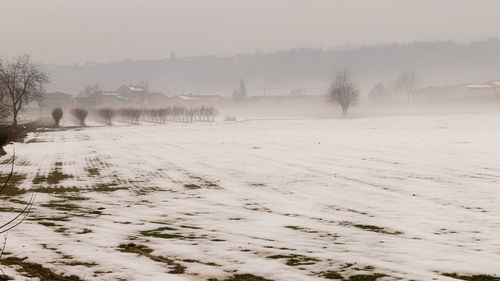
175	114
80	115
343	91
163	114
408	83
131	115
57	115
106	115
185	114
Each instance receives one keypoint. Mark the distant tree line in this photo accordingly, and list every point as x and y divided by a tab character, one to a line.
442	62
405	86
344	91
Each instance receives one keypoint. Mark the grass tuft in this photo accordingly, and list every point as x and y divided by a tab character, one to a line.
295	260
243	277
176	268
35	270
480	277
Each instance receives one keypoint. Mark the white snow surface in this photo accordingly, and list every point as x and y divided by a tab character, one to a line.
411	196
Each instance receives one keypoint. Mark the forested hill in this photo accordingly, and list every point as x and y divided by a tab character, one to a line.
437	63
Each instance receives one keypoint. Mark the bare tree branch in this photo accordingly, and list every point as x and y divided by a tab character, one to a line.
23	81
343	91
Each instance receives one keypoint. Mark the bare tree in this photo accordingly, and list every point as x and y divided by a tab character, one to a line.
57	114
23	82
299	92
106	115
90	90
379	93
131	115
408	83
343	91
80	114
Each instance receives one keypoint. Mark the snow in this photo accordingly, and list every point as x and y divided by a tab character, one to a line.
136	89
186	97
271	187
109	93
479	86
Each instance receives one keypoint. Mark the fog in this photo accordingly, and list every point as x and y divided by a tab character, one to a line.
279	73
66	32
249	140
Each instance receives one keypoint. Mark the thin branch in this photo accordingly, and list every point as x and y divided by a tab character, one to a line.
11	169
24	214
3	248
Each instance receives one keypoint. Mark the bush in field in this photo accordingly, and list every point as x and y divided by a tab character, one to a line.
80	115
106	115
57	115
131	115
343	91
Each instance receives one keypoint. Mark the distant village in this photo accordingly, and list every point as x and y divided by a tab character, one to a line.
465	92
139	96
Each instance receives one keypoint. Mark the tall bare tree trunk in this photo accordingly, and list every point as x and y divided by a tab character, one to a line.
14	115
345	109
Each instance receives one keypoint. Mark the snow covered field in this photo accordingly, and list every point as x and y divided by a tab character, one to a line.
409	197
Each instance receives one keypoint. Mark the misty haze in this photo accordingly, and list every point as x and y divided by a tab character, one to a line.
238	140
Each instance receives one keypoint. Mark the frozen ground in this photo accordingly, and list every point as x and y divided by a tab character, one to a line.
410	197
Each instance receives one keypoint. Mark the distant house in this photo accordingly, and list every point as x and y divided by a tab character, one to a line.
132	96
198	99
57	99
155	100
112	99
131	90
287	98
478	92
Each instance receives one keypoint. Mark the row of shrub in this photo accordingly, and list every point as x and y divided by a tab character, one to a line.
161	115
181	114
79	114
134	115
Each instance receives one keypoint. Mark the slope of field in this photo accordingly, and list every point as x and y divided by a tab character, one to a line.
401	197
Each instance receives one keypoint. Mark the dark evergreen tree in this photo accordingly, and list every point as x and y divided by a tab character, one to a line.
241	92
243	89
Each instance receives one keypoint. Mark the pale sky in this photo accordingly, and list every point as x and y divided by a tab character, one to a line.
69	31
